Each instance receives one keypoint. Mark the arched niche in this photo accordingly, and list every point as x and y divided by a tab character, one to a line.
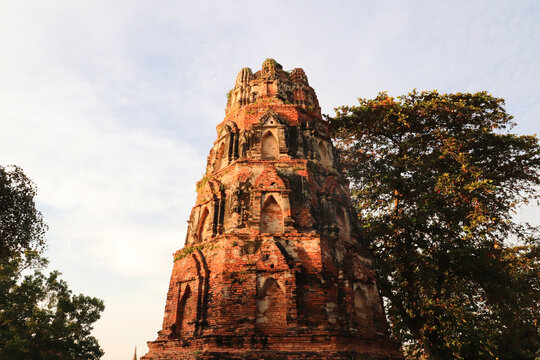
271	309
362	304
323	153
230	131
220	157
343	224
185	310
203	225
271	216
269	147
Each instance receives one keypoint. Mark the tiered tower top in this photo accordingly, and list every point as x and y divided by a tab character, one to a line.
273	88
272	129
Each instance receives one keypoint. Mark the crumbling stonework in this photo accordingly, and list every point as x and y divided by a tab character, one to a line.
272	267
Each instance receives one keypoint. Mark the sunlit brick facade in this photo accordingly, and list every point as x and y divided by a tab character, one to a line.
272	266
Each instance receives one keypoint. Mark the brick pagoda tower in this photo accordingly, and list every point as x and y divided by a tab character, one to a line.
272	267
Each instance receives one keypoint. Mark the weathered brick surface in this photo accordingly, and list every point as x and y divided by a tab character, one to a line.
272	267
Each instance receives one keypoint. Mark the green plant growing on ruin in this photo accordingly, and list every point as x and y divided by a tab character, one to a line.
188	250
211	246
201	183
239	277
312	167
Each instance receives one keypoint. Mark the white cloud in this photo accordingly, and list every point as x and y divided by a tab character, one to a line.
92	169
115	194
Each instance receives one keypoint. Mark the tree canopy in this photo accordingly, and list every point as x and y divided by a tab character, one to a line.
437	179
21	225
40	318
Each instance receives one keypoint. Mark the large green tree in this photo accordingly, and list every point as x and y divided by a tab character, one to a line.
40	318
437	179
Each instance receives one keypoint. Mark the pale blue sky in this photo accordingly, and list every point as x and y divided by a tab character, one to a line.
111	107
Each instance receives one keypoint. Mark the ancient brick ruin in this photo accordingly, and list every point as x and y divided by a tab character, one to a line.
272	267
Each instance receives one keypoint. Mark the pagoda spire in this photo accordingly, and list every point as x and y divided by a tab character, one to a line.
273	266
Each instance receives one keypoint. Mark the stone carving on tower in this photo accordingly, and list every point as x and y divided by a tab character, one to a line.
272	266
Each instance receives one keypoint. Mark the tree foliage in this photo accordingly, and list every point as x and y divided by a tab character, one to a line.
40	318
21	225
437	179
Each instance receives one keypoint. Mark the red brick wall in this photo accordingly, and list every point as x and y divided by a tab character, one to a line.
272	268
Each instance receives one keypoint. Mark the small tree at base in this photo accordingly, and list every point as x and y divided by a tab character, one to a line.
40	318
